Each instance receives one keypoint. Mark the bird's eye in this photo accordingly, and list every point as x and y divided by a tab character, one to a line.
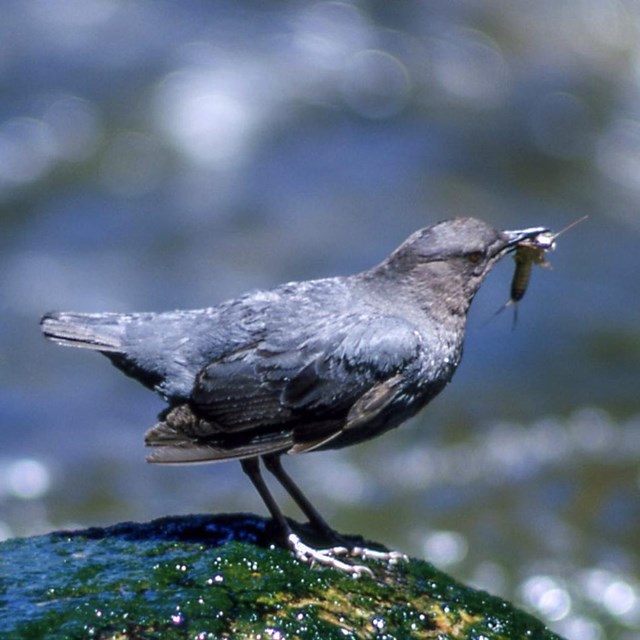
475	256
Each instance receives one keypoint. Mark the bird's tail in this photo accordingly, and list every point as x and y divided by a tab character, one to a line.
99	331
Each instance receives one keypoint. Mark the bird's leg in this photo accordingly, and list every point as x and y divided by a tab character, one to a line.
302	551
274	465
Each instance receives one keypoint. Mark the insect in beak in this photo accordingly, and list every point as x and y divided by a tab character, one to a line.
530	251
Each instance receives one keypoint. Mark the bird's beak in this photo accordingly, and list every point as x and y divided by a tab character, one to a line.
513	238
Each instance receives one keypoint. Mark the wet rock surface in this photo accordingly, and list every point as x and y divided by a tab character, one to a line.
210	577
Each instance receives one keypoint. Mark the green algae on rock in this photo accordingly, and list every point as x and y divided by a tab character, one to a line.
221	577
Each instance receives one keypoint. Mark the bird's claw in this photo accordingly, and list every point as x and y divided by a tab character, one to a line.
330	557
391	557
326	557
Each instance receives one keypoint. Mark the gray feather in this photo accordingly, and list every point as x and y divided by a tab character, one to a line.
99	331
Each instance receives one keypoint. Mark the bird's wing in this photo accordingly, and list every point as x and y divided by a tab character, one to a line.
305	390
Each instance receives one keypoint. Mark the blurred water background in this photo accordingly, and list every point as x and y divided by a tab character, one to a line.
157	155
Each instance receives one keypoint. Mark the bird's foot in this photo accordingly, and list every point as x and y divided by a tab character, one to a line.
327	557
357	551
390	557
331	556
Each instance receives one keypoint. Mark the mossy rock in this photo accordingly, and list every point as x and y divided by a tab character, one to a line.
210	577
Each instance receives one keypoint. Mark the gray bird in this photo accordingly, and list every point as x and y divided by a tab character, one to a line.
305	366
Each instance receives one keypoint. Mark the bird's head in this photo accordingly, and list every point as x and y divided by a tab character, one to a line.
451	259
